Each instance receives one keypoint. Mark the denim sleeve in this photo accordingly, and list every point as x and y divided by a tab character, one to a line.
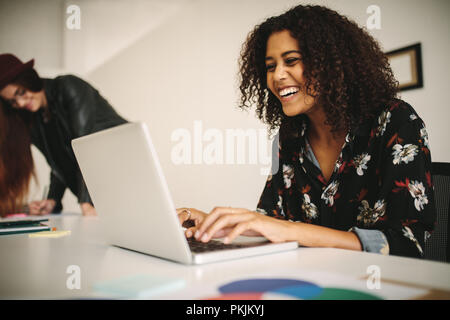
372	240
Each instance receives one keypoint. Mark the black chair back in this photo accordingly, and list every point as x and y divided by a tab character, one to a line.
437	247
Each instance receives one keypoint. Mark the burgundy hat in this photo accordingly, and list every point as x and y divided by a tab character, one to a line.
11	67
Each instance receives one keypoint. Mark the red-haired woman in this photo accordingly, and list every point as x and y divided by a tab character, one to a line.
48	113
16	162
354	161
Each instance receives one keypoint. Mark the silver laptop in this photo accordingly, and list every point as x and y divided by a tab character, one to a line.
127	185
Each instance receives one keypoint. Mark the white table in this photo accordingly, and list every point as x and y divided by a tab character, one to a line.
36	268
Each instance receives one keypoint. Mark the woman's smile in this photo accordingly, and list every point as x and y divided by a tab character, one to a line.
288	93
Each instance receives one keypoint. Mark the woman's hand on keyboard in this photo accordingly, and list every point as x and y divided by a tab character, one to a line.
231	222
190	218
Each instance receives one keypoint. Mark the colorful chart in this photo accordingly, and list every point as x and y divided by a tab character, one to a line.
257	289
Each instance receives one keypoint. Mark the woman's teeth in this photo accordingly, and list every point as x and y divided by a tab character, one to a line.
288	91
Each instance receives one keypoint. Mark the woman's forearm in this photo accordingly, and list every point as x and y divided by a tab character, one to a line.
317	236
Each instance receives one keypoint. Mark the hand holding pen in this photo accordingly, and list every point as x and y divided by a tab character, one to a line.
44	206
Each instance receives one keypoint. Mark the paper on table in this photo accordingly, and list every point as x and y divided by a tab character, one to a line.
329	282
50	234
16	215
139	286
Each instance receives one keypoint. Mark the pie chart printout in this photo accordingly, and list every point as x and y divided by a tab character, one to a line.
279	288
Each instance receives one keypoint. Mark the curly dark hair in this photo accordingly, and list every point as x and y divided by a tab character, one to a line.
342	63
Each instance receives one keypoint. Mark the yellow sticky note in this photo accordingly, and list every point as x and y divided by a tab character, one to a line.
50	234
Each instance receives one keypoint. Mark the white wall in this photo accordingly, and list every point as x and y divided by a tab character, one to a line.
33	29
179	66
110	26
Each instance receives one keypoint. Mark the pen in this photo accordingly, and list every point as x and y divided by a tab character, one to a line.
44	195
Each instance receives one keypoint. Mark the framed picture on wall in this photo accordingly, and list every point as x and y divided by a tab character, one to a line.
406	63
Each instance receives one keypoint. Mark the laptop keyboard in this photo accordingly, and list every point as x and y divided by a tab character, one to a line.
216	245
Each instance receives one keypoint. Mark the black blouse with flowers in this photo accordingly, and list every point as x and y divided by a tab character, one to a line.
381	184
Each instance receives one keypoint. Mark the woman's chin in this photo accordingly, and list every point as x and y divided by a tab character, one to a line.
291	111
34	108
298	107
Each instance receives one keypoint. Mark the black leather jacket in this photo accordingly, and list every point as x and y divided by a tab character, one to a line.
75	109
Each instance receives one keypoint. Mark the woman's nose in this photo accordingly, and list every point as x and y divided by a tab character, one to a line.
280	73
21	101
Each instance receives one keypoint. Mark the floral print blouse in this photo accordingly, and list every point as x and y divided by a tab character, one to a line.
381	187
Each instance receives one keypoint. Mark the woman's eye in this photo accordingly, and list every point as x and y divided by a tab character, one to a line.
21	92
270	67
291	60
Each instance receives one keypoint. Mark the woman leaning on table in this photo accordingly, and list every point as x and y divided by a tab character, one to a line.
354	161
48	113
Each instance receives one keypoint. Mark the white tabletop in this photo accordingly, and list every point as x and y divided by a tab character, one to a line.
37	268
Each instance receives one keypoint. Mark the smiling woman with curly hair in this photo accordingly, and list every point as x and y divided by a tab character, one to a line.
354	160
343	66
